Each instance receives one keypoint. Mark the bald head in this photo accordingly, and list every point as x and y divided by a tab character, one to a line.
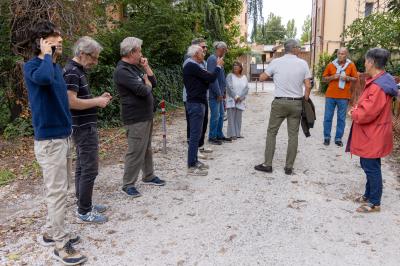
342	54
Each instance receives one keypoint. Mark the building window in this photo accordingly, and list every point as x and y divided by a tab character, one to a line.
368	8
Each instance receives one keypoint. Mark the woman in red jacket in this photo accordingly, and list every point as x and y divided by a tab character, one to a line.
371	136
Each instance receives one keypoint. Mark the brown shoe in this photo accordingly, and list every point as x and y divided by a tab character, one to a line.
68	255
368	207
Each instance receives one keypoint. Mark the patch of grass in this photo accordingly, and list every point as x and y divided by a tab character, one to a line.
6	176
32	169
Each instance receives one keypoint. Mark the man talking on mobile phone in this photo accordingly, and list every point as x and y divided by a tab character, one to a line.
51	119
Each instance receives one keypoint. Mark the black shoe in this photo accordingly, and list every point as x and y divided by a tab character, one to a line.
132	192
339	143
263	168
327	142
288	171
155	181
225	139
215	141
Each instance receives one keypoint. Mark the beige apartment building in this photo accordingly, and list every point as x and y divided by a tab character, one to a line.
331	17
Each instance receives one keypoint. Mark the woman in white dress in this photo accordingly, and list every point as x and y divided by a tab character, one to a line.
237	90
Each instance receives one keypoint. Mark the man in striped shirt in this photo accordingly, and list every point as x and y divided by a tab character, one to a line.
84	123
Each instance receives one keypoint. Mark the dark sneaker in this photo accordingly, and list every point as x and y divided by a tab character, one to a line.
93	217
47	241
224	139
215	141
339	143
132	192
68	255
99	208
155	181
288	171
327	142
263	168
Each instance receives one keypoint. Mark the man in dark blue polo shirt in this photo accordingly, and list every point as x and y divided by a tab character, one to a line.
197	81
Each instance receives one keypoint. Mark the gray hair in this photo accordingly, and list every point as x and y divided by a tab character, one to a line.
378	56
198	40
193	49
290	44
343	49
219	44
130	44
86	45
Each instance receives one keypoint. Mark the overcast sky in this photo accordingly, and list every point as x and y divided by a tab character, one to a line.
288	9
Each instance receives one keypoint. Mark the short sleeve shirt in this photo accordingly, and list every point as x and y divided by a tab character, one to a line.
288	73
76	80
333	90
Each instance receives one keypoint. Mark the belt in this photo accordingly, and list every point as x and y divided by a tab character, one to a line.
289	98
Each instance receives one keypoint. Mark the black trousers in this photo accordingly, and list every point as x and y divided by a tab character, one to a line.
87	163
204	129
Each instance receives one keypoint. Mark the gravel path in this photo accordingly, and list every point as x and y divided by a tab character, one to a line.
235	215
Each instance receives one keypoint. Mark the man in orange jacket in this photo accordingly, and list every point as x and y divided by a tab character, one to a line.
371	135
339	74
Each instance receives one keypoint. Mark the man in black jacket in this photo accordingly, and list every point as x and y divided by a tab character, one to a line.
135	81
197	80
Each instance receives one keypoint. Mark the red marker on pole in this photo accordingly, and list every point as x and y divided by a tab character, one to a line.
164	126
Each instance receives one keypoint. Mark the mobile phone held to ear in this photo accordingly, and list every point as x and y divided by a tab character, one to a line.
53	47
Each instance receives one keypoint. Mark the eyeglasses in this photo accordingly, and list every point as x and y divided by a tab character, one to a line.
95	58
203	47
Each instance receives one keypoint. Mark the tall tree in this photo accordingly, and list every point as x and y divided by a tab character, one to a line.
254	10
394	6
306	35
291	30
271	31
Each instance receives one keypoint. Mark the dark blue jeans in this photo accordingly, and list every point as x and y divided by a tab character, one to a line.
330	105
87	163
196	116
373	188
216	119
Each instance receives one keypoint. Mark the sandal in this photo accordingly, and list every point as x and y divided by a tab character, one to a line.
361	199
367	208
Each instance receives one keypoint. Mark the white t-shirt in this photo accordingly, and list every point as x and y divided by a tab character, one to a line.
289	73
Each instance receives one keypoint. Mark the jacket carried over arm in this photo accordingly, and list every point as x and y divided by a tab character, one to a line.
308	117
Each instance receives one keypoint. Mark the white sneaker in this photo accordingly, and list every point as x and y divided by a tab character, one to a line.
205	150
196	171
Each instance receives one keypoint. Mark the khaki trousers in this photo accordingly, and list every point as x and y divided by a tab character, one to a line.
52	158
139	155
281	110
